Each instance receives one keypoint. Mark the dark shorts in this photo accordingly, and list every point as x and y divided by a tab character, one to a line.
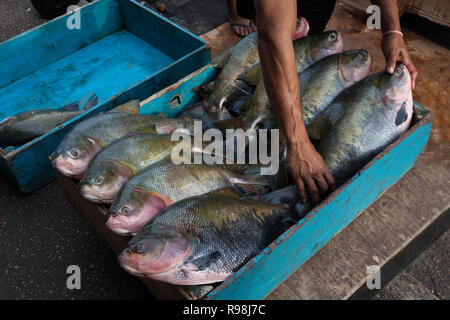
317	12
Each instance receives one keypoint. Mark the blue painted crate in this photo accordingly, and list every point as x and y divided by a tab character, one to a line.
273	265
122	51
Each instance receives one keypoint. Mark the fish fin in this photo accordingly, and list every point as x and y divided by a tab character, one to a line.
204	90
221	60
244	108
204	262
92	102
74	106
253	75
289	196
281	178
314	128
402	116
255	179
163	115
147	129
231	192
132	106
233	123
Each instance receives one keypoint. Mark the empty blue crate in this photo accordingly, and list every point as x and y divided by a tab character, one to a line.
119	51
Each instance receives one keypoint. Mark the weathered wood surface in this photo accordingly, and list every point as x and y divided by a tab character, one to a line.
379	233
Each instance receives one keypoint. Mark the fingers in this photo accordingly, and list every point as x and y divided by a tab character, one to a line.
391	62
313	191
412	70
301	190
330	180
322	184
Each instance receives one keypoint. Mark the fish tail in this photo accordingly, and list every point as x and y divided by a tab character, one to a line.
289	196
92	102
255	179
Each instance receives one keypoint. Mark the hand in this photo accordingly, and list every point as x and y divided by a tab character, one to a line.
309	171
395	50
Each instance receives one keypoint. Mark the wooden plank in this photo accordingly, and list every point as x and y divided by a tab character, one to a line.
385	234
220	39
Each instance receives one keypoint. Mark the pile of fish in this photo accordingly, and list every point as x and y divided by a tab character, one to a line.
199	223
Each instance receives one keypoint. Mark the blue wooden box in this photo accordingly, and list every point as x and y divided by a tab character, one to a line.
122	51
273	265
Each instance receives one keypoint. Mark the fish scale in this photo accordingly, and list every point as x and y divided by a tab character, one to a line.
225	233
164	183
362	121
137	151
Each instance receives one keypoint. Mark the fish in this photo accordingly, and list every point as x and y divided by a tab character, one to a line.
324	80
363	120
204	239
358	124
313	60
242	69
28	125
227	86
90	136
113	166
164	183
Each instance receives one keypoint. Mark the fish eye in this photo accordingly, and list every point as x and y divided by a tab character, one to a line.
74	153
125	210
363	54
98	180
138	248
332	37
398	71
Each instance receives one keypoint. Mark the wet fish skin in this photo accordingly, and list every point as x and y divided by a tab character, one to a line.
204	239
164	183
113	166
244	58
227	84
364	119
87	138
325	79
308	51
26	126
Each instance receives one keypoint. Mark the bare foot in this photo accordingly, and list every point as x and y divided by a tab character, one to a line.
241	26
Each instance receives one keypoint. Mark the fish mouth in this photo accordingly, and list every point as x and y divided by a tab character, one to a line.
66	167
152	205
87	192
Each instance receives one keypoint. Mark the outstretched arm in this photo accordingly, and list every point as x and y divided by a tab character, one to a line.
392	44
276	22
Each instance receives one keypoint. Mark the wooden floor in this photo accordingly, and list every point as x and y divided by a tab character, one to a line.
406	218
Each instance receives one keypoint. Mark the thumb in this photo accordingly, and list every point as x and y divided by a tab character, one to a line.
391	63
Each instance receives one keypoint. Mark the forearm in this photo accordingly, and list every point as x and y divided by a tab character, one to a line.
275	27
389	14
